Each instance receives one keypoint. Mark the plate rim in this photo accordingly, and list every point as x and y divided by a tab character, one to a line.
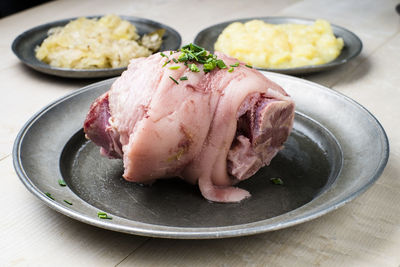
296	70
162	231
17	40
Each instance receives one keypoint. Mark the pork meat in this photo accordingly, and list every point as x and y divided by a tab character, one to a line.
213	129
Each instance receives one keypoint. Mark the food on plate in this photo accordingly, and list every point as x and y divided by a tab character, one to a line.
153	40
280	45
107	42
209	119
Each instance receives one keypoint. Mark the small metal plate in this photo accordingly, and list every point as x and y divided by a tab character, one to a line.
352	44
24	47
327	161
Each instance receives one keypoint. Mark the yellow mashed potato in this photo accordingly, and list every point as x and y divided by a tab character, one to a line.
108	42
280	45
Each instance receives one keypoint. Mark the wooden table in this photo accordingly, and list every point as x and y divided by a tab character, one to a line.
365	232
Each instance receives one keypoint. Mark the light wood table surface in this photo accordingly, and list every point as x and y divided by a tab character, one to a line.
365	232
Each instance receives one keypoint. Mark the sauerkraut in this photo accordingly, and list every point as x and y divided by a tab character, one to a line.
107	42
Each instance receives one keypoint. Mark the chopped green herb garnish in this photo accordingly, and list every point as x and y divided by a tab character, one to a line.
49	195
209	65
277	181
195	54
235	65
166	62
194	68
191	52
230	69
174	67
175	81
183	57
249	66
61	182
163	55
183	78
103	215
193	47
221	64
174	59
66	201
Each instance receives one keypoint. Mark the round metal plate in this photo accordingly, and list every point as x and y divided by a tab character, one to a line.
336	151
24	47
352	44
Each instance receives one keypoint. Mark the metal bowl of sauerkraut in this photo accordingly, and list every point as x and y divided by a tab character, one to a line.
92	46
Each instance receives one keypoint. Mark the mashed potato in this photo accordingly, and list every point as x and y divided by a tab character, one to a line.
280	45
108	42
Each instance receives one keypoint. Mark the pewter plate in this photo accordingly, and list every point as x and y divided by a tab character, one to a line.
352	44
24	47
336	151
